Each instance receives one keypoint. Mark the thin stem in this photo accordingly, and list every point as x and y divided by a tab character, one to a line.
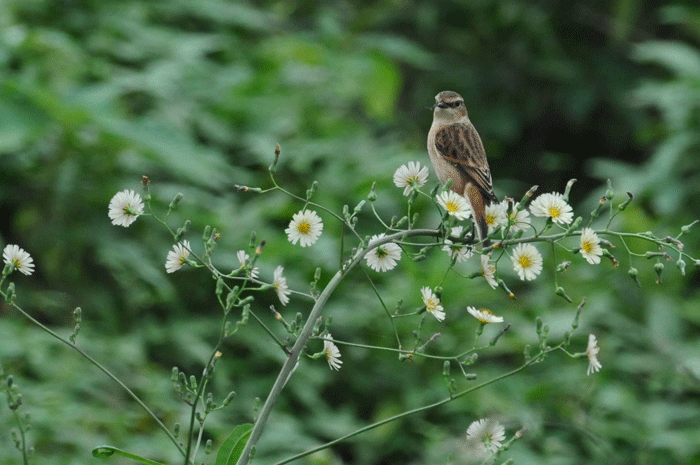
419	409
305	334
108	373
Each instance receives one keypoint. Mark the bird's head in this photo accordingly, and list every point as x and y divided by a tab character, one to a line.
449	107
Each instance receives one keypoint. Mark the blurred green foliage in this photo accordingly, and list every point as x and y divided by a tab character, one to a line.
93	95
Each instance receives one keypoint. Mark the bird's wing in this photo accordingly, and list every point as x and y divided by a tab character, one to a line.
460	145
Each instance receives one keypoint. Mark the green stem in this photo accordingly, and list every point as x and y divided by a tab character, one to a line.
416	410
108	373
305	334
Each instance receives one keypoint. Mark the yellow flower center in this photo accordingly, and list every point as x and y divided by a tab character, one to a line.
554	212
490	220
452	207
587	247
524	261
304	227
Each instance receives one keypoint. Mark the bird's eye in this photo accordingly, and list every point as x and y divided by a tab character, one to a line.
458	103
441	105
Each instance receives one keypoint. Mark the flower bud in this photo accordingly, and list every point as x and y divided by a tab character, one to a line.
446	368
659	268
273	166
632	272
596	211
681	266
624	204
568	189
372	196
229	398
311	190
562	293
175	201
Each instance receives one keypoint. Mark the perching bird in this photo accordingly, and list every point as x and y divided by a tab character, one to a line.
457	153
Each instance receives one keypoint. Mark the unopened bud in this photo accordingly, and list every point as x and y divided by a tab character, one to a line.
632	272
311	190
568	189
562	293
372	196
181	231
278	151
659	268
609	194
596	211
175	201
229	398
681	265
624	204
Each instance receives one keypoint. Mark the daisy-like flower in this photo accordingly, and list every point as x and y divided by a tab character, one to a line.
552	205
19	258
177	257
454	204
484	315
305	227
432	303
244	258
592	352
590	246
280	284
495	215
460	252
125	207
488	269
410	176
518	220
332	352
486	435
527	261
384	257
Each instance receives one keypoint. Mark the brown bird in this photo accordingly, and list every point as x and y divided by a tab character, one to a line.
457	153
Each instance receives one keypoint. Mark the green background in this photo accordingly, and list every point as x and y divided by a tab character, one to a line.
94	94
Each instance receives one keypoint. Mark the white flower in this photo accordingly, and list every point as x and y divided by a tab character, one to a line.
484	315
527	261
18	258
332	352
495	215
486	435
384	257
305	227
410	177
280	284
244	258
125	207
590	246
454	204
518	220
460	252
177	257
432	303
552	205
592	352
489	271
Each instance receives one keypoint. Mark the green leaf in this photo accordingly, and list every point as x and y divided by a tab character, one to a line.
232	447
103	452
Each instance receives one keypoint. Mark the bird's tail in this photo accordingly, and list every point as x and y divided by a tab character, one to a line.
479	202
